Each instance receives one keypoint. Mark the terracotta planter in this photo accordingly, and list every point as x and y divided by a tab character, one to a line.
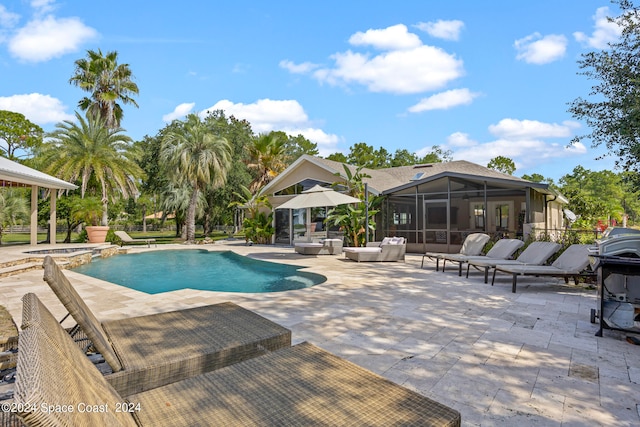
97	233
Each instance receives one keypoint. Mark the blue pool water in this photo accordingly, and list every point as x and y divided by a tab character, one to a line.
163	271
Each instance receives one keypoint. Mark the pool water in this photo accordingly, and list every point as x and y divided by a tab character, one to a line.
164	271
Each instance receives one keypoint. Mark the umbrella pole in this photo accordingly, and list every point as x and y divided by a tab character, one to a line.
366	214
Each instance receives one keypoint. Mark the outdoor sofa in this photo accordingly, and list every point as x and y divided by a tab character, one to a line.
472	246
573	262
300	385
388	250
323	247
145	352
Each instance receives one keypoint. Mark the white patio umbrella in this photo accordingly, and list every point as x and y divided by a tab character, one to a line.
316	197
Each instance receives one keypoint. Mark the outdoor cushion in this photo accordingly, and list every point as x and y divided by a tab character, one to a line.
503	249
472	246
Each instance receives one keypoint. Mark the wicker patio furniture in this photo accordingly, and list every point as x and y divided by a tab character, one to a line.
150	351
300	385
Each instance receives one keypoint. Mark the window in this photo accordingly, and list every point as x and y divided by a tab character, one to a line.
478	214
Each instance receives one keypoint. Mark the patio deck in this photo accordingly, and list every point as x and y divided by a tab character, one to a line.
499	358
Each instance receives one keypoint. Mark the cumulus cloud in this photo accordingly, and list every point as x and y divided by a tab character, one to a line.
38	108
536	49
179	112
49	37
302	68
288	116
522	129
405	65
604	31
445	100
447	30
526	142
396	37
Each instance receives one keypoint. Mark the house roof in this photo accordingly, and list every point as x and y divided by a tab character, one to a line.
393	179
15	173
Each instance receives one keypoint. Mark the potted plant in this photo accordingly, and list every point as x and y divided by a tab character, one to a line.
89	212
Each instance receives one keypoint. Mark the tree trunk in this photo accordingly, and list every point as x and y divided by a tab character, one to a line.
191	217
105	215
144	218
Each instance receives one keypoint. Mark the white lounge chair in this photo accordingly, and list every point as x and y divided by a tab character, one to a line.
571	263
503	249
471	246
537	253
128	240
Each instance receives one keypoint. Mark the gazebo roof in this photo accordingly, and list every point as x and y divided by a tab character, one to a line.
12	173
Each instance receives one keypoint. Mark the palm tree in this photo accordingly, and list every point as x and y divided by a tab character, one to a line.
267	156
91	152
199	157
108	82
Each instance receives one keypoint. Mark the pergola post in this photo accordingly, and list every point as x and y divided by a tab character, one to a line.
53	220
34	215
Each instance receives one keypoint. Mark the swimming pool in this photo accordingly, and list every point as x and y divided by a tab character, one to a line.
164	271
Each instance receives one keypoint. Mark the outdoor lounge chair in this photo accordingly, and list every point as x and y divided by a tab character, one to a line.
503	249
390	249
145	352
537	253
571	263
471	246
299	385
128	240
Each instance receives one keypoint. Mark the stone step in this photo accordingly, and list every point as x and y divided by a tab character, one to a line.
19	268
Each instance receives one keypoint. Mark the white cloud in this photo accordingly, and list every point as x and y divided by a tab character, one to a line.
43	6
447	30
180	111
604	31
460	139
396	37
302	68
445	100
38	108
288	116
405	67
523	141
8	19
50	37
524	129
405	71
536	49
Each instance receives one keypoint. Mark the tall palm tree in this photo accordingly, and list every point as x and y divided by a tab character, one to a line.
199	157
13	207
268	157
108	82
90	151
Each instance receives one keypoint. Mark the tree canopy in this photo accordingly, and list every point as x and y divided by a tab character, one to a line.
502	164
18	133
612	110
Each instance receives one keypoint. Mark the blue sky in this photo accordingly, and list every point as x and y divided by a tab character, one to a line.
481	79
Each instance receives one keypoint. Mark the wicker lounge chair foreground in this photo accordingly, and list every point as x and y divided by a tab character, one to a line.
537	253
389	250
472	246
503	249
299	385
571	263
150	351
128	240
